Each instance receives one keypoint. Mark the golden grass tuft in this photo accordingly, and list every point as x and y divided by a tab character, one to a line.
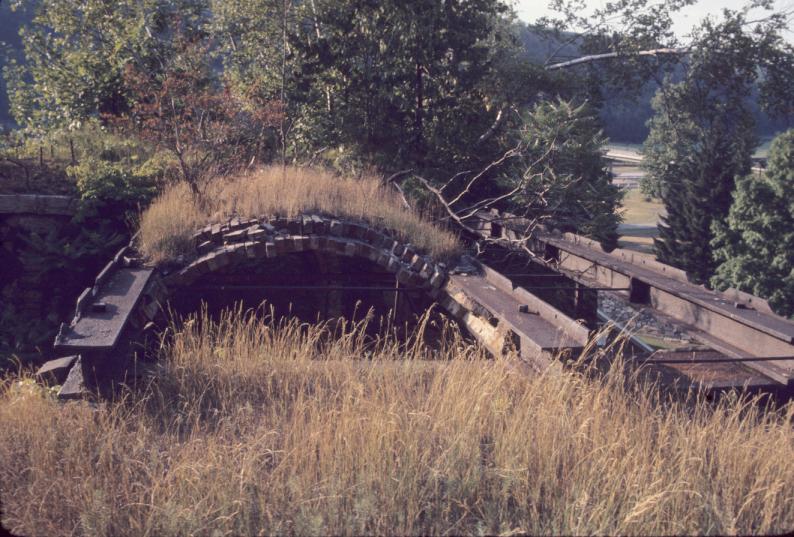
167	225
258	428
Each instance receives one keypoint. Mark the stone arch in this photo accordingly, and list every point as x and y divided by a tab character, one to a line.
121	312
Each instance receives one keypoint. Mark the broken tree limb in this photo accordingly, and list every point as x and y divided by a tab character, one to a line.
611	55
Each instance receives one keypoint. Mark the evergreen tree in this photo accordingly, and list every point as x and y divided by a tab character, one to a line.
755	246
702	135
570	185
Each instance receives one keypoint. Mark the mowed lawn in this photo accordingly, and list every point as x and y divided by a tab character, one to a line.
640	218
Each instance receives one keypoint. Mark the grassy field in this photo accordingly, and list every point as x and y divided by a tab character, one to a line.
258	429
168	224
640	218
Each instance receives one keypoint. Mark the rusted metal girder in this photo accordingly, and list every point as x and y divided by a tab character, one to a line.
735	324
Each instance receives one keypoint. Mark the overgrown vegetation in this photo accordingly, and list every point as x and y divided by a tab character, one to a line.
168	225
257	428
755	245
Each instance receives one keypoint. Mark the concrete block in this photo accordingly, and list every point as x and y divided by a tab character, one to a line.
74	385
56	371
103	276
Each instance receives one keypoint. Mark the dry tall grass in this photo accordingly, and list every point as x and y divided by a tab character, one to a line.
167	225
258	429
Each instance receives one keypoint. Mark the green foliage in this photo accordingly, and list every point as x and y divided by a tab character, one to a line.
403	84
755	245
702	137
75	52
112	182
566	181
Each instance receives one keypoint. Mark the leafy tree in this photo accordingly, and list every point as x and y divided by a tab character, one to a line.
702	136
567	180
75	52
755	245
403	84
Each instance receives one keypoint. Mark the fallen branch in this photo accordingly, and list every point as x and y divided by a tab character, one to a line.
612	55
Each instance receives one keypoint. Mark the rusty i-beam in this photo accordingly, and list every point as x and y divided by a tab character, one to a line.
734	323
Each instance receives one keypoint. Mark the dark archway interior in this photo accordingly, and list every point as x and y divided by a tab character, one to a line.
312	286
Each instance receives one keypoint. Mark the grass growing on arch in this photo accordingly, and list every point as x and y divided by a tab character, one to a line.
256	428
167	225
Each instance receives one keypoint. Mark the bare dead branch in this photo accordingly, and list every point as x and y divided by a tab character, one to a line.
610	55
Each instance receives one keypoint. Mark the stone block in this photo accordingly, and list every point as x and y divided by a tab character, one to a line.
235	236
236	251
307	225
74	385
270	249
350	249
297	243
404	276
280	244
199	236
408	254
437	279
319	225
314	243
255	249
56	371
383	259
104	275
205	247
416	280
279	223
336	228
294	226
218	260
83	301
427	271
357	231
394	264
217	230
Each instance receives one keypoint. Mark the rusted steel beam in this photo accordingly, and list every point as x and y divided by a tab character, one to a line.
736	326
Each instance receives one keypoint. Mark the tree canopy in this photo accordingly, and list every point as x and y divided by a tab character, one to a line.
755	245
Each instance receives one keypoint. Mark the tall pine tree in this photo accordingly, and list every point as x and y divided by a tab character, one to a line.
702	136
755	246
